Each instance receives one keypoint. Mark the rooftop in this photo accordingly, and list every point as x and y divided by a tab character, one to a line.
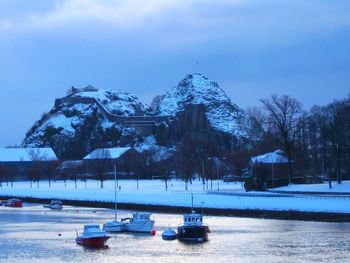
27	154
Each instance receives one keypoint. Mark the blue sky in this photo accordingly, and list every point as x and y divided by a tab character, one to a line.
252	48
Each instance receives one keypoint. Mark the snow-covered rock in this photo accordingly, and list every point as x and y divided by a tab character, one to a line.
158	152
77	124
222	114
116	102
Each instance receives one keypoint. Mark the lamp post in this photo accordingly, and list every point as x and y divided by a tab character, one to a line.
273	178
211	177
217	163
115	192
203	174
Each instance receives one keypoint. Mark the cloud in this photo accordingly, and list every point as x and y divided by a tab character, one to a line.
250	21
5	25
120	13
241	19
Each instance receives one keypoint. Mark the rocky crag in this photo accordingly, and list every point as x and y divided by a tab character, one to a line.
89	118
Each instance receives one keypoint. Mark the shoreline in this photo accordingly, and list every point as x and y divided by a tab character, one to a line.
249	213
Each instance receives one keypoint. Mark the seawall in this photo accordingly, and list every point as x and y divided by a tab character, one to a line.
251	213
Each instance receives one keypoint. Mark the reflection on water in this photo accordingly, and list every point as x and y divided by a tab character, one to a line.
36	234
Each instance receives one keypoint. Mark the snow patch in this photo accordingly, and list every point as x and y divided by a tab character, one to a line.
196	89
158	152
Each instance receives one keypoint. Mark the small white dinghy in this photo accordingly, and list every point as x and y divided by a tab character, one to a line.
55	204
169	234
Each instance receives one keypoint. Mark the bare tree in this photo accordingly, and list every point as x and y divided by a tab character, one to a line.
338	120
319	115
284	115
163	168
185	164
258	114
4	173
36	169
100	164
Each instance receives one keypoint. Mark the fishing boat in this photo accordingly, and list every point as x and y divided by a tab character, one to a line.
193	229
139	222
92	237
169	234
55	205
13	202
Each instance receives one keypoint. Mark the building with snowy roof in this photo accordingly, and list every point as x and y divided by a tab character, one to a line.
126	160
270	170
16	162
8	155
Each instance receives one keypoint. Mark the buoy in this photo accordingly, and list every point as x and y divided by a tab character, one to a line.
153	232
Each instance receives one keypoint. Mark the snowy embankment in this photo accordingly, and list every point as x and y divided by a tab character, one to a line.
321	188
152	192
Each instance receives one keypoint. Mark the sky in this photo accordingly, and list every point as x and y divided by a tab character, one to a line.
252	48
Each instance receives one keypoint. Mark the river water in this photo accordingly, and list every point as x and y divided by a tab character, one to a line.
37	234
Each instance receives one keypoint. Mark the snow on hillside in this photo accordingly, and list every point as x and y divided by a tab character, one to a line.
71	116
159	152
222	114
65	120
116	102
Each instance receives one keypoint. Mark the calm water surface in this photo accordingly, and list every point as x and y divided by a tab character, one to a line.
31	234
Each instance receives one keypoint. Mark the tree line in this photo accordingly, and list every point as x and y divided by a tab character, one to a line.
316	143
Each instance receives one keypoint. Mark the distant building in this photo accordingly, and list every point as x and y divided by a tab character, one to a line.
15	162
270	170
126	159
88	88
73	169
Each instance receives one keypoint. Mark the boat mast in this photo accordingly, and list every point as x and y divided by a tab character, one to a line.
192	201
115	192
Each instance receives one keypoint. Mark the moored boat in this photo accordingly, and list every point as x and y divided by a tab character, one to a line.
13	202
114	226
169	234
193	229
93	237
140	222
55	204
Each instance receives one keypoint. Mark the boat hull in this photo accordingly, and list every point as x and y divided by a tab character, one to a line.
140	227
54	207
195	234
18	203
92	242
169	237
114	227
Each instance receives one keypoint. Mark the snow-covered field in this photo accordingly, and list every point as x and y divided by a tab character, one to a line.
338	188
153	192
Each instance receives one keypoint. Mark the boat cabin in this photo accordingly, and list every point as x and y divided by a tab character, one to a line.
143	216
92	228
193	219
54	202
